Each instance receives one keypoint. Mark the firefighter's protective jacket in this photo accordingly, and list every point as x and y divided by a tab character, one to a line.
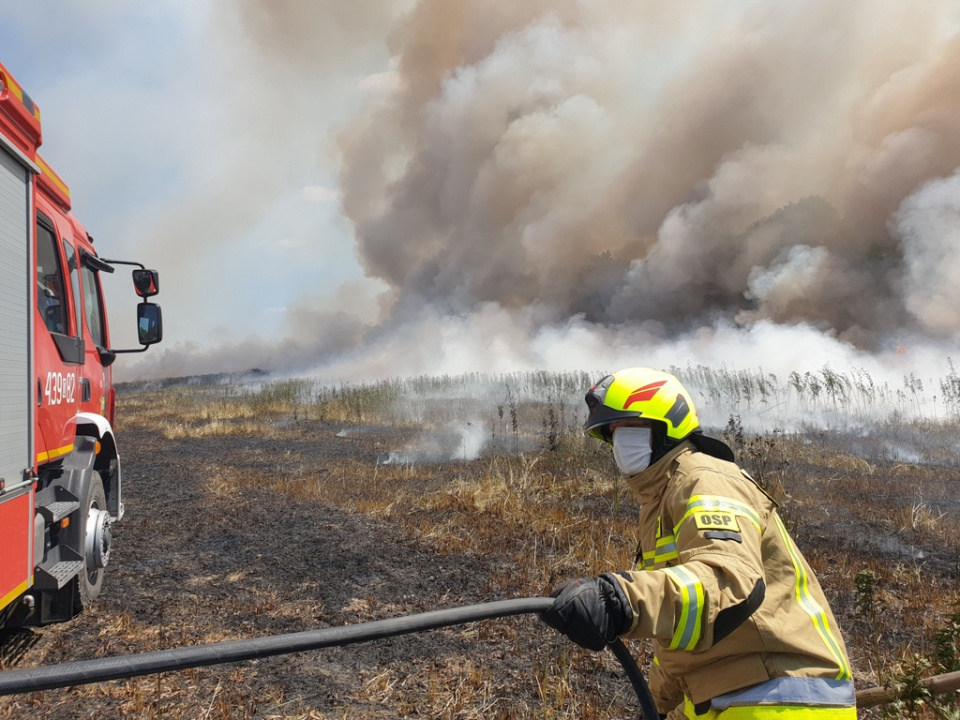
732	606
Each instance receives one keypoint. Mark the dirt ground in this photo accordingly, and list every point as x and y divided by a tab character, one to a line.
189	569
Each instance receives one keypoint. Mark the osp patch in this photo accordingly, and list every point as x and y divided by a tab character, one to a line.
716	520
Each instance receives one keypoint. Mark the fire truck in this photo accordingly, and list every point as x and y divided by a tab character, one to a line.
60	483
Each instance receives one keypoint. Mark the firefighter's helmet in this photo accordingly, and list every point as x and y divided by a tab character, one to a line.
640	393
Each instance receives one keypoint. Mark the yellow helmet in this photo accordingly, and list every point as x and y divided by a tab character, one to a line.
640	393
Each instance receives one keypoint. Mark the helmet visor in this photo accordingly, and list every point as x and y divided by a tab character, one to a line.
599	416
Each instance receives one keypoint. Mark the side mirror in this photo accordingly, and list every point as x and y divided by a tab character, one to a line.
146	282
149	323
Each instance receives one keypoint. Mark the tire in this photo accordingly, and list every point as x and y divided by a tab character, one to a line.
95	544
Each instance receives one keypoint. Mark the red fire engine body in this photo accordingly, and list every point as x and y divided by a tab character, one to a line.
60	482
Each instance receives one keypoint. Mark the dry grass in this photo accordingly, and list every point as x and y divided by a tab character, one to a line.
560	512
548	506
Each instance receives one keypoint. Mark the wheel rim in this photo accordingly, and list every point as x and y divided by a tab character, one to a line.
98	540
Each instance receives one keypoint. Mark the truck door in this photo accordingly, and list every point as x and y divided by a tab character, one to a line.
16	398
59	345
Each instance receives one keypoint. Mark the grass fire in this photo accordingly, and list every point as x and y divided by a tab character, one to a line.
259	506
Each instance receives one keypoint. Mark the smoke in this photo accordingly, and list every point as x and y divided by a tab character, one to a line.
528	169
928	223
574	182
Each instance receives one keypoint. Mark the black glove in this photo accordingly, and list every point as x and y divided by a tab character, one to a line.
591	612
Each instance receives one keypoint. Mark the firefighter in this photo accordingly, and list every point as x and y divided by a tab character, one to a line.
740	626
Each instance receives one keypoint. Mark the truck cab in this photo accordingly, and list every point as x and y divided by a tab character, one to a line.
60	479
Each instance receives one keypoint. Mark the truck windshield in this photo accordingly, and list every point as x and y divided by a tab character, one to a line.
93	308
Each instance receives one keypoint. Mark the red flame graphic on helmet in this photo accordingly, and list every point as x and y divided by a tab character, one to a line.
644	393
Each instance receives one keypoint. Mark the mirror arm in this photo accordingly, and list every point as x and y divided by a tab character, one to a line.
123	262
95	263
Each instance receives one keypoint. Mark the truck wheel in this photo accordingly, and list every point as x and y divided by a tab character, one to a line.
96	544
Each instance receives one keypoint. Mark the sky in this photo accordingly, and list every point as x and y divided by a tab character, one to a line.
390	188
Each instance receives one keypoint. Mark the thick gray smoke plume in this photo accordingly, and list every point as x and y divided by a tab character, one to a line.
567	171
633	163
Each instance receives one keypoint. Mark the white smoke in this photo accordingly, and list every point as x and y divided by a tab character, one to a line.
928	222
587	184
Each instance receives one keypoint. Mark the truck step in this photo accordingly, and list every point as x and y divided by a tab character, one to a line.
55	503
58	575
60	565
56	511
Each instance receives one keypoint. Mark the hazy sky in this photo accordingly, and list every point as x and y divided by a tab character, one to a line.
380	188
189	152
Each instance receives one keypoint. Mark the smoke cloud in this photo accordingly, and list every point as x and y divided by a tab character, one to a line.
566	183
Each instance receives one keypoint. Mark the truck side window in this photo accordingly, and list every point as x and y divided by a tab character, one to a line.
93	306
73	265
50	294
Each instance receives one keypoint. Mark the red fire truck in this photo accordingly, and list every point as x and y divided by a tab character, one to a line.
60	487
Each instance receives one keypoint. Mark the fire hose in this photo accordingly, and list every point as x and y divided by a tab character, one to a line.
83	672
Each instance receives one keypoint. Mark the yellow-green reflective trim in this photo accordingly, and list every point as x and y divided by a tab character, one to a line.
701	503
810	606
687	633
54	454
772	712
16	592
666	550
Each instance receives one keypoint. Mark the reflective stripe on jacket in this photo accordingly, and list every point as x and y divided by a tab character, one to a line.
723	591
780	711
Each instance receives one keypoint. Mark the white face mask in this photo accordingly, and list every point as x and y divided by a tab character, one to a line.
631	449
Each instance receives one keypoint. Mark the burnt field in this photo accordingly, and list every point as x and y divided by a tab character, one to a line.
284	507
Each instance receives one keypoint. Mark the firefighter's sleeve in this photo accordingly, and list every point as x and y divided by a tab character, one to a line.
717	582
